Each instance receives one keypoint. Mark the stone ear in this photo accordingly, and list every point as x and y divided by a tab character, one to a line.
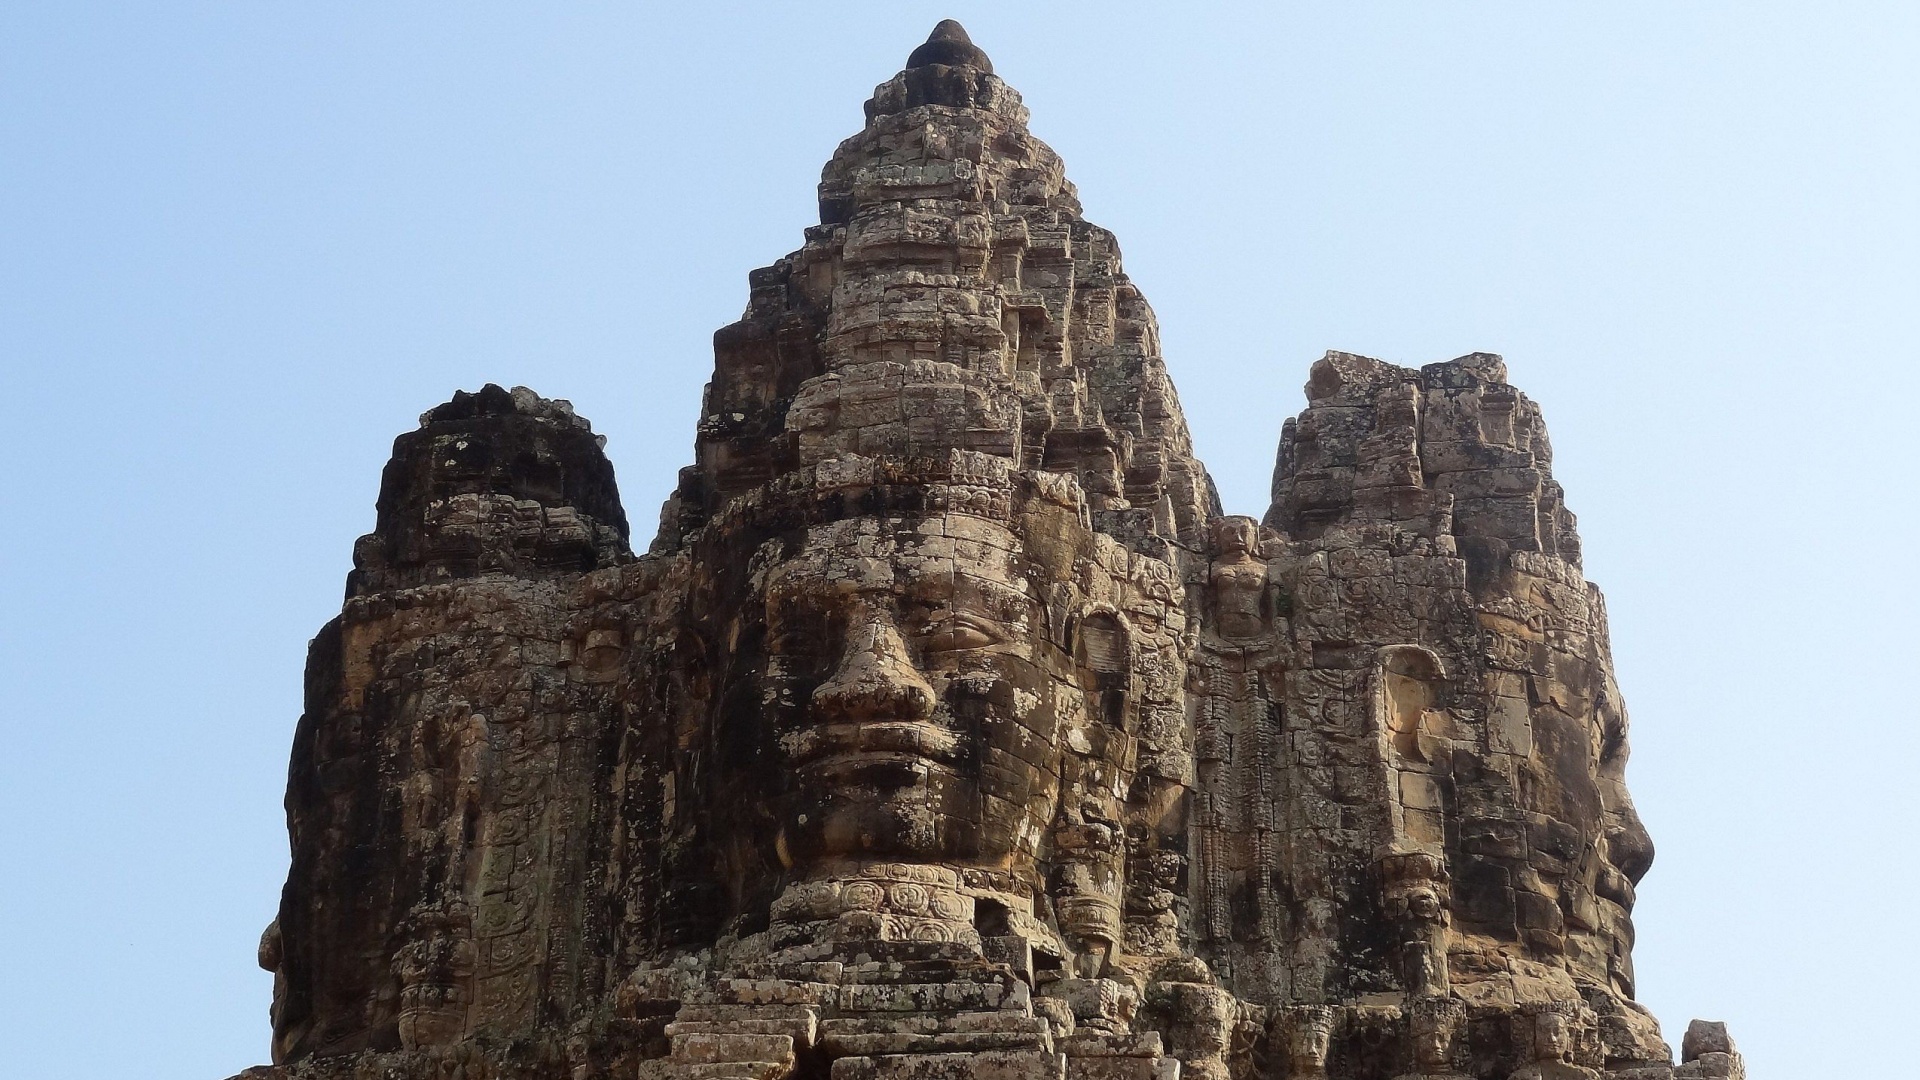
1103	645
1101	642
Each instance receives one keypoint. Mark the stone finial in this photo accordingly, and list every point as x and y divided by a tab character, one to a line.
496	481
950	45
1705	1037
1708	1051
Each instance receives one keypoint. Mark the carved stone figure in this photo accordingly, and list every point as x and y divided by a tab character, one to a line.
1434	1025
947	727
1308	1030
1241	598
1553	1042
1416	898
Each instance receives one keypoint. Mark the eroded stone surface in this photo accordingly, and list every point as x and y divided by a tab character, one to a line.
948	729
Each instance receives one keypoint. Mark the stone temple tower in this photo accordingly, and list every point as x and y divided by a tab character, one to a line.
947	728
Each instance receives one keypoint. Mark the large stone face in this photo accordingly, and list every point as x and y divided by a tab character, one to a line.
948	729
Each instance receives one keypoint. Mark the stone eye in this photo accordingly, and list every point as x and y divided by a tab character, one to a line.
794	640
957	633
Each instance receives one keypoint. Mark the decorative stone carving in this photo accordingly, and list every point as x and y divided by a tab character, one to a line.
1241	597
1434	1028
1308	1031
1416	900
948	728
435	968
1550	1034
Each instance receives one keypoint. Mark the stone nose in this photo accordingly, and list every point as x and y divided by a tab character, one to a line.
876	679
1629	848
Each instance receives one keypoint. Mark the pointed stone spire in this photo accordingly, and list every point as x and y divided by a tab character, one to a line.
952	299
950	45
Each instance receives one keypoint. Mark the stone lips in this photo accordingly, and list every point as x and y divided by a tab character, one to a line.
948	728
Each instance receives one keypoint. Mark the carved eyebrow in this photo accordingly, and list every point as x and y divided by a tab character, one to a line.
802	574
940	586
788	618
784	601
780	576
799	600
1003	600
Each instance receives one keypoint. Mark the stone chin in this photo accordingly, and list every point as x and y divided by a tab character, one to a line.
867	804
894	828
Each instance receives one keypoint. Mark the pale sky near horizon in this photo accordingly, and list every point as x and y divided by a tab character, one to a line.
243	245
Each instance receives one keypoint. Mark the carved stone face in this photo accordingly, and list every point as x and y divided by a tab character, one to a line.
1626	851
1552	1036
1601	847
914	694
1309	1039
1234	535
1433	1027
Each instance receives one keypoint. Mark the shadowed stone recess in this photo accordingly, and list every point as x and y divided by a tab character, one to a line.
948	728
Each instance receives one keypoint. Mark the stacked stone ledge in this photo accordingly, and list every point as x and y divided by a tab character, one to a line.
948	728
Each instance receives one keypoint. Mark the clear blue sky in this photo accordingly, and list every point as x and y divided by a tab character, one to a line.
243	245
